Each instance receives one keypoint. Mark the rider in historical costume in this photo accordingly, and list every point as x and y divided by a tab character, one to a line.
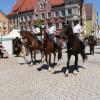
36	31
77	29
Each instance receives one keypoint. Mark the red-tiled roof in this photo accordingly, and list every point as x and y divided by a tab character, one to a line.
16	6
26	5
56	2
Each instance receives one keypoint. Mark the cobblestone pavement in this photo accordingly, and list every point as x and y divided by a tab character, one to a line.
25	82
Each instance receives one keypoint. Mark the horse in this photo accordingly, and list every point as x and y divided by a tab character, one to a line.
74	47
49	48
32	43
92	43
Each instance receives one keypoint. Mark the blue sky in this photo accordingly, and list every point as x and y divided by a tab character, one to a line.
6	5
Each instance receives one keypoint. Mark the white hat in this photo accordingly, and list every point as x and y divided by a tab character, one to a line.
75	18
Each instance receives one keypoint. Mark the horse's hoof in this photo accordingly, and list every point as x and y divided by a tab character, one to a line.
31	63
75	72
66	75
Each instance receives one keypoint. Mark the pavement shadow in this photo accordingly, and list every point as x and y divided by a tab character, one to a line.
45	66
88	54
63	70
97	52
29	62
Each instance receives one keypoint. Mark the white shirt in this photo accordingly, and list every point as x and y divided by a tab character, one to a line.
35	30
52	29
77	29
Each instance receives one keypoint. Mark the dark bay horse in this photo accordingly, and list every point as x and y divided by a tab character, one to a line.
49	48
92	43
32	43
74	47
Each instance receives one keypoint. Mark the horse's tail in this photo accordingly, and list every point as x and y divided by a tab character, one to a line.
59	53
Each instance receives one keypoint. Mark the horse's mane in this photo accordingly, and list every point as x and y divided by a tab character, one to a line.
68	30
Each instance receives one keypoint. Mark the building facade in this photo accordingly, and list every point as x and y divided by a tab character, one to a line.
3	23
27	13
91	18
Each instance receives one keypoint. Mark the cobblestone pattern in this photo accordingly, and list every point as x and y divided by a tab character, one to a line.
24	82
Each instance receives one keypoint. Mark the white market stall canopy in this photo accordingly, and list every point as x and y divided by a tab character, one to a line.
7	41
13	34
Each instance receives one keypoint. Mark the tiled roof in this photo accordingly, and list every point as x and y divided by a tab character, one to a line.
26	5
56	2
16	6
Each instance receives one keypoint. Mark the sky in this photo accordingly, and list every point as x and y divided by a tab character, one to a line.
6	5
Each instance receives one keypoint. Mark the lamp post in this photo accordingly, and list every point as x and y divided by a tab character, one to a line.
17	19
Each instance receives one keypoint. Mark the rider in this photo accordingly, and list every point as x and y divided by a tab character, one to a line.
53	33
77	28
36	31
51	30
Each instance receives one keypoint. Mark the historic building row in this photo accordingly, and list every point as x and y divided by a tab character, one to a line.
27	13
3	23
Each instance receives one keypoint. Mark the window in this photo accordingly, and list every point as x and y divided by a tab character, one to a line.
63	24
24	18
42	5
49	15
36	15
29	18
21	19
63	13
43	15
56	13
57	25
49	24
69	12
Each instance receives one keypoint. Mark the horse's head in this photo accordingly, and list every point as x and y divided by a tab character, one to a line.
44	35
25	36
67	30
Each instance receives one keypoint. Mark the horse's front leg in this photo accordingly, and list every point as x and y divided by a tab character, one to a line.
76	64
35	56
49	62
93	50
90	50
42	56
68	61
54	53
31	56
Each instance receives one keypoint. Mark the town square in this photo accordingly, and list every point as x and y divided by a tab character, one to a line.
49	50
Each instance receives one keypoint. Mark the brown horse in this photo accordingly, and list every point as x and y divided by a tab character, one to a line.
92	44
32	43
49	47
74	47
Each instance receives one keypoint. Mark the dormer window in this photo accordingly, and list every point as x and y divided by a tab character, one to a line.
42	5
